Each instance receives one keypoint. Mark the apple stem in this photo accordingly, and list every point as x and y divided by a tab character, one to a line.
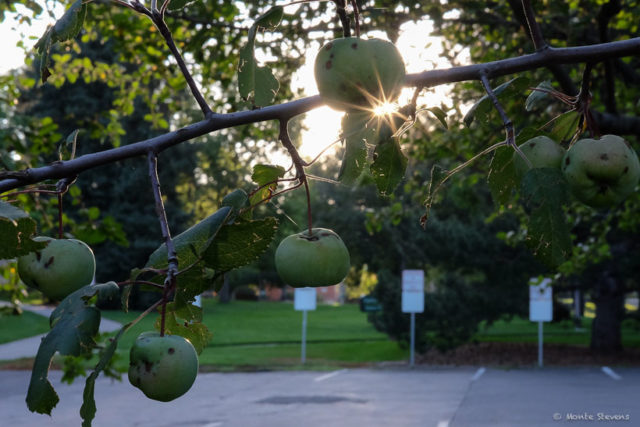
309	218
59	215
356	16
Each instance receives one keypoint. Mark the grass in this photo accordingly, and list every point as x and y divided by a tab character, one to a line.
564	332
24	326
266	335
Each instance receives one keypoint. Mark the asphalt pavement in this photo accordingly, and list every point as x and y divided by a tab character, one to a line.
396	397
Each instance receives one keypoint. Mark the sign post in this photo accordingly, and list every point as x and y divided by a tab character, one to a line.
304	299
540	307
412	302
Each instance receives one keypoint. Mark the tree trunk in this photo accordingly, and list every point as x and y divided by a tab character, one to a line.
225	292
608	295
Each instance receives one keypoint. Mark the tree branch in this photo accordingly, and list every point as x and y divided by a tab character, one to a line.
570	55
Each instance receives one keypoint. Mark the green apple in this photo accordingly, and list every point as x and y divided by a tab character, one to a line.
541	151
62	267
601	172
163	367
353	73
319	259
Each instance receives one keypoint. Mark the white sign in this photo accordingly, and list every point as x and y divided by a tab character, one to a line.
304	299
412	291
541	301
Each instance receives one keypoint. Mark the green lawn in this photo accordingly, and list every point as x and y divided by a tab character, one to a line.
564	332
267	335
24	326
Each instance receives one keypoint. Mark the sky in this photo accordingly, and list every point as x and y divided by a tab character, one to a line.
419	52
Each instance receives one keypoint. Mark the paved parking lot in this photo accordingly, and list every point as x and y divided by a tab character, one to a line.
398	397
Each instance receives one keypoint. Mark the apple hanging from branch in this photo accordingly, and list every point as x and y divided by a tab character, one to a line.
353	73
62	267
317	259
163	367
601	172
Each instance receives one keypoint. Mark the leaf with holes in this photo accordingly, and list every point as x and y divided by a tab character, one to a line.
265	176
16	229
181	322
389	165
544	193
253	79
502	175
74	324
240	243
357	130
66	28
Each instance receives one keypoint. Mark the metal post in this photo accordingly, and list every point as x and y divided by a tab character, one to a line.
413	339
304	336
540	344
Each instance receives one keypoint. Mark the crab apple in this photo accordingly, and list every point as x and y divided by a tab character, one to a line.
541	151
319	259
353	73
601	172
163	367
62	267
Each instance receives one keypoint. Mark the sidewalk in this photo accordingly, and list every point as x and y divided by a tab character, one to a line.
28	347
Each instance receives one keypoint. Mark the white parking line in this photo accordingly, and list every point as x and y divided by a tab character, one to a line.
329	375
607	370
478	374
443	423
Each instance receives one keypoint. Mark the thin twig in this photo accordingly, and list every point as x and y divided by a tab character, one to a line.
508	124
158	20
534	29
172	257
344	17
356	16
140	282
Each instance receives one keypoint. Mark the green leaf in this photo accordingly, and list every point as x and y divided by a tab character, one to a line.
246	70
88	408
240	243
537	97
565	126
74	324
481	109
356	131
440	115
266	86
193	242
16	228
236	200
438	176
66	28
176	324
544	192
271	18
264	174
389	165
254	79
502	175
70	24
